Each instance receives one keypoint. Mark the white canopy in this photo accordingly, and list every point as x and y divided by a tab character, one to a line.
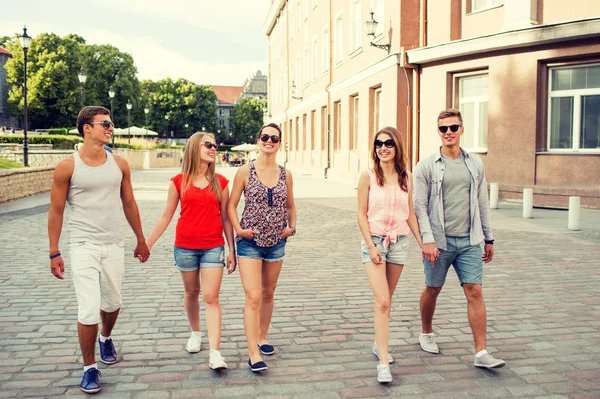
245	147
135	131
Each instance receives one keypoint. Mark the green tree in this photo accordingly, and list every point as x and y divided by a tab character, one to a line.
4	40
247	119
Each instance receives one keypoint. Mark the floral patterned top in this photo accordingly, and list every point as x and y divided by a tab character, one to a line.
265	208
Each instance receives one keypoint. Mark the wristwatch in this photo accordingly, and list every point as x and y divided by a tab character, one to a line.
489	242
293	230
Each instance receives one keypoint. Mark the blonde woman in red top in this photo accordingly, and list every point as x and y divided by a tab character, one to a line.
385	217
199	245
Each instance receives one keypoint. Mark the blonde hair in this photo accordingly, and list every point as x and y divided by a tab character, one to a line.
190	168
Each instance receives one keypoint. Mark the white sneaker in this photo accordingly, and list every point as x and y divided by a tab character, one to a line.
428	344
488	361
194	343
376	353
216	361
384	374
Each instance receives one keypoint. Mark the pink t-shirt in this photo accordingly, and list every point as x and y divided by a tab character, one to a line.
387	210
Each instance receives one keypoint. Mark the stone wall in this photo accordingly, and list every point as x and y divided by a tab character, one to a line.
20	183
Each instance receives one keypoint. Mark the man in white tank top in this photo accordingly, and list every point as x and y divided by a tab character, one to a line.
96	184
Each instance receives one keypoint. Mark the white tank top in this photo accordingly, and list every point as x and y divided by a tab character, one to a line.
95	200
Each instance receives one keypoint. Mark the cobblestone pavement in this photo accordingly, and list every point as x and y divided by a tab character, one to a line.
541	292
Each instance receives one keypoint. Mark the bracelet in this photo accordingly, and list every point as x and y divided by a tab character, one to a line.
489	242
293	230
55	255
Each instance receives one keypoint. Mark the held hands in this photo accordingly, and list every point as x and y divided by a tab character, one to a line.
141	251
430	252
57	267
375	255
231	262
247	233
488	253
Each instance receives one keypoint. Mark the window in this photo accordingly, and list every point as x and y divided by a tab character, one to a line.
353	145
292	23
356	34
305	79
293	75
305	3
221	112
378	7
315	58
324	124
304	132
338	50
312	129
479	5
297	76
473	105
298	15
325	47
281	92
375	114
297	136
315	3
574	108
337	124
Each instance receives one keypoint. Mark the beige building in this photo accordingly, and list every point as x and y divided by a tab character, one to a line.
525	74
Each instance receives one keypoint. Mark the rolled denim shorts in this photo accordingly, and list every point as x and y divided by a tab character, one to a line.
465	258
247	248
188	260
396	252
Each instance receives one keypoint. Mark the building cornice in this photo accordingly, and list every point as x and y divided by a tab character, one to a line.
276	8
533	36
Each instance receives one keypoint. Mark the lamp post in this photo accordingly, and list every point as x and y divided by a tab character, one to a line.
203	128
166	124
128	122
82	78
186	129
111	94
25	42
146	110
371	31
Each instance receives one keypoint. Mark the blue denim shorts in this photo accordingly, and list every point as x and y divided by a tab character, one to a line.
189	260
396	252
247	248
465	258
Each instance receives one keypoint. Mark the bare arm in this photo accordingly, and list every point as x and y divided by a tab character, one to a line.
165	218
228	230
58	198
364	185
291	206
131	211
412	218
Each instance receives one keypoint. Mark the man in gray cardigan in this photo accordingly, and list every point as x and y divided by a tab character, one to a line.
451	205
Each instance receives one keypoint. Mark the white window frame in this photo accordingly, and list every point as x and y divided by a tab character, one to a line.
489	4
356	23
315	58
315	3
378	8
298	15
305	75
338	44
576	95
477	148
325	50
305	8
298	75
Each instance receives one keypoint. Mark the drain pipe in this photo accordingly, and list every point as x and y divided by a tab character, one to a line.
328	91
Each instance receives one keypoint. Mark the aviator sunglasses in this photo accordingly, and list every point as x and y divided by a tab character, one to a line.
210	145
106	124
389	143
453	128
265	137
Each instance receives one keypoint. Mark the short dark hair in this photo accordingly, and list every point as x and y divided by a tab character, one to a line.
449	113
86	115
273	125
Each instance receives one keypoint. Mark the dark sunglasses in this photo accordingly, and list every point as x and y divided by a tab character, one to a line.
389	143
265	137
210	145
453	128
106	124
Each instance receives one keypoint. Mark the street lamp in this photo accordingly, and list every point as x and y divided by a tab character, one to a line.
82	78
371	31
111	94
25	40
203	128
166	124
146	110
129	121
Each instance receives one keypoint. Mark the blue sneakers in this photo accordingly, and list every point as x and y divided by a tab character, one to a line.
108	353
266	349
90	383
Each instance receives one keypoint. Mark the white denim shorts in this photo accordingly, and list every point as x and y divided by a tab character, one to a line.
396	252
97	271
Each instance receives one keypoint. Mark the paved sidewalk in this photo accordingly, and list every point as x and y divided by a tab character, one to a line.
541	292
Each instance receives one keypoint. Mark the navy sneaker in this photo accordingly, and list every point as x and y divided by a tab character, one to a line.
90	383
258	366
108	353
266	349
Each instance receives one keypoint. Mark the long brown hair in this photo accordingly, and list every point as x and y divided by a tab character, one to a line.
190	168
399	158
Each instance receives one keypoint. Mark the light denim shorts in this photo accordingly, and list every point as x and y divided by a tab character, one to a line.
396	252
247	248
465	258
188	260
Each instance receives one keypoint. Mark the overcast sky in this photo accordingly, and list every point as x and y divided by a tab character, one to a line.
206	41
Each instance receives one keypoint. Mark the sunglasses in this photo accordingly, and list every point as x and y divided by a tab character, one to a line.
389	143
265	137
106	124
453	128
210	145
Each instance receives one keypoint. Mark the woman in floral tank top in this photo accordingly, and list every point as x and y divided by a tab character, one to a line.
268	219
385	217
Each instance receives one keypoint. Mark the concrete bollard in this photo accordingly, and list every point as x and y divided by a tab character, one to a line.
574	212
493	195
528	203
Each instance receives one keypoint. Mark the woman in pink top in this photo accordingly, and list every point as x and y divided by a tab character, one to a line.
385	217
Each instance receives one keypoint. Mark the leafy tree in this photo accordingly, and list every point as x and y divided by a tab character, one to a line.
4	40
247	118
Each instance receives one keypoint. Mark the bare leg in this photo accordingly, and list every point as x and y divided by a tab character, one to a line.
251	275
427	305
87	342
381	291
477	314
392	272
191	284
270	275
108	321
211	285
